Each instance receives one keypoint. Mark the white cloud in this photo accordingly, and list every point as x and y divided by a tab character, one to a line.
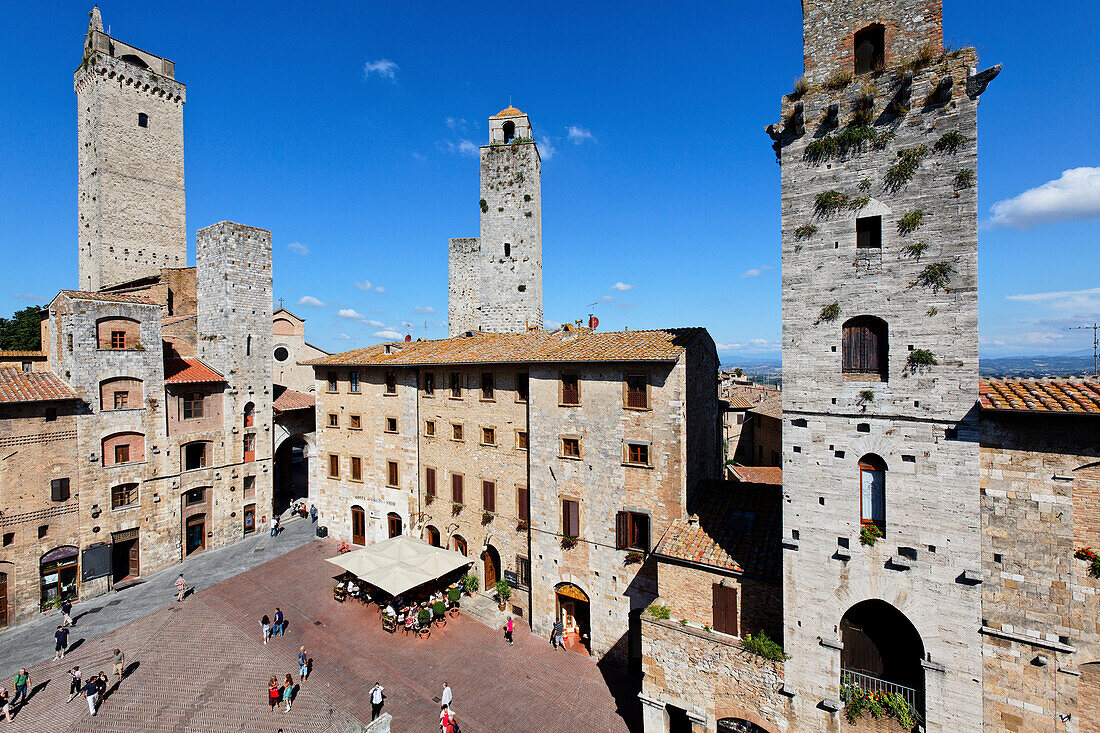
310	301
607	299
384	68
622	287
750	345
298	248
31	297
363	284
423	309
1071	300
756	271
467	148
351	314
419	156
374	324
343	337
389	335
379	289
462	147
1075	195
551	325
546	148
456	122
578	135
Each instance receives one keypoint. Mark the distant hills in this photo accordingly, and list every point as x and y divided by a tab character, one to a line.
770	371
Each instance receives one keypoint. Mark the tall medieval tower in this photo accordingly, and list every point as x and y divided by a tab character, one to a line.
130	130
496	279
882	561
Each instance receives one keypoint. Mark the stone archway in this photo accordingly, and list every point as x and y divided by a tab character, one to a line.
882	652
291	474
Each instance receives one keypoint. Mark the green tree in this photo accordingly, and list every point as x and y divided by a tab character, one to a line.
22	332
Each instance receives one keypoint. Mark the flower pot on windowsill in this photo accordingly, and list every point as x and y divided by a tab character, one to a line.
487	517
633	558
568	542
429	498
522	525
455	508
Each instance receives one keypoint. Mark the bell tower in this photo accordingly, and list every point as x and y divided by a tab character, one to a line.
131	205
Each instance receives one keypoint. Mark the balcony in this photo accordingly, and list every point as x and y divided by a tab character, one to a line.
852	683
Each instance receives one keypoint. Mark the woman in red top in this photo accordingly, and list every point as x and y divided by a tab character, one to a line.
273	693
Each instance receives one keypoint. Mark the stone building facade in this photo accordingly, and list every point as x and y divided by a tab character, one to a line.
548	457
290	349
495	280
131	196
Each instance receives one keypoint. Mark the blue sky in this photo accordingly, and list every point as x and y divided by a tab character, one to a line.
347	130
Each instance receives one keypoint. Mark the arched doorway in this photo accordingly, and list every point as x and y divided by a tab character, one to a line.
291	473
1088	698
358	526
459	544
491	559
882	652
393	524
573	611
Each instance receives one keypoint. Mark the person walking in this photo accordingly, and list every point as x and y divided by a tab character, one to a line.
446	697
62	638
5	706
91	693
508	629
303	664
74	682
265	624
274	524
181	588
66	612
119	660
273	693
19	682
313	512
557	633
288	693
377	699
101	685
277	628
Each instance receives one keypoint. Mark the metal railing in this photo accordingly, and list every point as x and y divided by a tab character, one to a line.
867	683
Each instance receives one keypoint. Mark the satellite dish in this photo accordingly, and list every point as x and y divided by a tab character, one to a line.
593	322
408	337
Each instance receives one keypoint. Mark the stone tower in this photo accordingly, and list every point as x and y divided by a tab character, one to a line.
235	337
130	131
496	279
880	364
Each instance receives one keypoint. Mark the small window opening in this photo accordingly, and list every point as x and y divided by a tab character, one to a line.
870	49
522	288
507	249
869	232
509	131
143	119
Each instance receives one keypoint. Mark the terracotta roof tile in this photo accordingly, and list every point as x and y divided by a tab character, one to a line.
772	406
189	370
1061	395
19	386
22	354
743	396
289	399
758	474
735	527
109	297
576	345
508	111
178	319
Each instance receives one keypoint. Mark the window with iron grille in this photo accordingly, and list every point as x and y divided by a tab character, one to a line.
570	389
124	495
637	391
59	489
523	571
571	447
632	531
192	406
486	385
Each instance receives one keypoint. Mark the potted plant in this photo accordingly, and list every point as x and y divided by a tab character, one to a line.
470	583
439	612
522	525
456	507
453	596
634	557
429	498
487	517
568	542
423	617
504	592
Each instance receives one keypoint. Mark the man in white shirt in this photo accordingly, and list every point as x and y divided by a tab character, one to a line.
377	696
445	698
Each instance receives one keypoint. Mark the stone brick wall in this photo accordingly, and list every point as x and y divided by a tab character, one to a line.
495	281
1036	479
919	421
131	203
687	590
36	451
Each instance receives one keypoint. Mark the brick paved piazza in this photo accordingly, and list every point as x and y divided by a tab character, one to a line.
200	666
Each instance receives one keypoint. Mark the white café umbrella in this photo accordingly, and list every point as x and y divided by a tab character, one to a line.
400	563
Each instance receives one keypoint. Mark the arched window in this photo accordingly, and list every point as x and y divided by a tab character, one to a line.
358	526
433	536
866	350
249	414
120	393
870	49
459	544
123	448
882	651
116	332
393	524
509	131
872	492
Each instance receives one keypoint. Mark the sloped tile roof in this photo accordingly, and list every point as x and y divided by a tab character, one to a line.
287	399
772	406
178	319
508	111
189	370
19	386
743	396
22	354
109	297
736	526
758	474
1061	395
576	345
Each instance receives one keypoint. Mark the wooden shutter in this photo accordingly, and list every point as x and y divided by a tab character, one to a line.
429	481
570	518
489	496
521	503
456	489
724	609
622	530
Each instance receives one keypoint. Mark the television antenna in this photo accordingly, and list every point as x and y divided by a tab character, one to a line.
1095	343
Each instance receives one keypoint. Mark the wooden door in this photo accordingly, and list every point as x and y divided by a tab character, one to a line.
860	653
133	555
724	609
490	570
358	526
3	600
